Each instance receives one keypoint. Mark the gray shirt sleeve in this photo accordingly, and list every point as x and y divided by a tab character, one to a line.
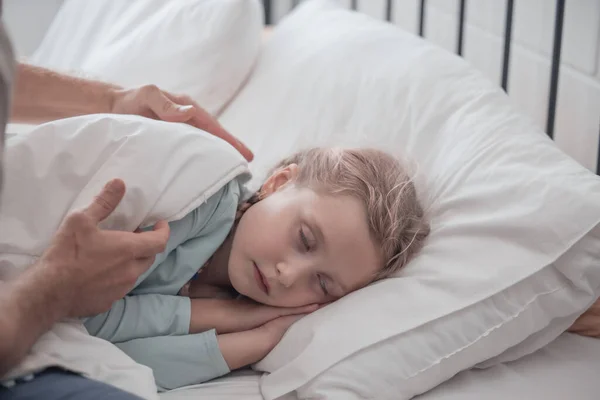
179	361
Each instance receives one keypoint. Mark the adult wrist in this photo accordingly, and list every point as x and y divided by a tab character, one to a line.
30	304
49	280
113	94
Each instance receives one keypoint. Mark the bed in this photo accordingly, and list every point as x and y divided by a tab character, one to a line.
564	368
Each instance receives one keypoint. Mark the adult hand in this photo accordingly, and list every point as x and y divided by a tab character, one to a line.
93	267
588	324
149	101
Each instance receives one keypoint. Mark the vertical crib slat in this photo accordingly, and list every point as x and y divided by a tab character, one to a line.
598	156
507	39
422	18
554	73
268	11
461	27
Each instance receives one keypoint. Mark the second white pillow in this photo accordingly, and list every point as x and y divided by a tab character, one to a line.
202	48
514	251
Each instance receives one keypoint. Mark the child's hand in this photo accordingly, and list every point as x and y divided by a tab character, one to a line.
240	349
274	330
254	314
237	315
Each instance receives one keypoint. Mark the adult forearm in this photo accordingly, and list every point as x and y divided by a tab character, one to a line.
29	305
41	95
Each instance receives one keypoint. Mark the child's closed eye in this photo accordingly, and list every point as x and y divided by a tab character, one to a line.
304	240
323	284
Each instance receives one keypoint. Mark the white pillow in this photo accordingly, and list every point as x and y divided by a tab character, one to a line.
169	169
202	48
510	261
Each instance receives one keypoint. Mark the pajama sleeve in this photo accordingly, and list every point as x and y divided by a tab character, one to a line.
179	360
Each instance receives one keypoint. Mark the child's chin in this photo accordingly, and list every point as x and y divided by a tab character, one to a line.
244	289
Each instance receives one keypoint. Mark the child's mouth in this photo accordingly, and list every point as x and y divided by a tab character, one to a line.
260	279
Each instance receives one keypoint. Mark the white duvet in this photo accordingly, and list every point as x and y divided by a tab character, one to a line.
169	170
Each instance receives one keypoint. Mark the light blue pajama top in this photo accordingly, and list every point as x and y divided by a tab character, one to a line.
151	324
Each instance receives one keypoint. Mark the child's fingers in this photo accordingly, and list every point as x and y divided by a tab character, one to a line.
299	310
286	321
325	304
307	309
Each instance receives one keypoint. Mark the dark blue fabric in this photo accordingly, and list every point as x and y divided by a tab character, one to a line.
56	384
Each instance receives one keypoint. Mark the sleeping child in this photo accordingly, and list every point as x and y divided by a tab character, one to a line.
235	275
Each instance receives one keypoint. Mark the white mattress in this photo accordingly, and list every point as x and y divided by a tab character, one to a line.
566	369
238	385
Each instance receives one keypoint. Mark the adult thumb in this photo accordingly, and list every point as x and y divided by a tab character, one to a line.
106	201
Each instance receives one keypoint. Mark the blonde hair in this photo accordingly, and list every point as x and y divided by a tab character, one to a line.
395	216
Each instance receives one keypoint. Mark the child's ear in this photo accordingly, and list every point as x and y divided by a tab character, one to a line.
279	179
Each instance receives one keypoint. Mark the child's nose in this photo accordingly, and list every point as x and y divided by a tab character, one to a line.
287	273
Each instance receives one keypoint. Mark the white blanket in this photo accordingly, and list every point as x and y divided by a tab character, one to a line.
169	169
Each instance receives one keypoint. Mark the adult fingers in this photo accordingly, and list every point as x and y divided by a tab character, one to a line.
106	201
172	108
190	112
164	107
150	243
208	124
141	266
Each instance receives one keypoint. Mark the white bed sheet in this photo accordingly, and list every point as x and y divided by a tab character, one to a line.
565	369
235	386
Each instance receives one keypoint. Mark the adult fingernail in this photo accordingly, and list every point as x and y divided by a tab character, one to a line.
185	108
245	149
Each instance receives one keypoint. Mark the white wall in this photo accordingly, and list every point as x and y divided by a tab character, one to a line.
27	22
577	127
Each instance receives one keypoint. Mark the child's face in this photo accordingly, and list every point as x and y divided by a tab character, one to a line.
297	247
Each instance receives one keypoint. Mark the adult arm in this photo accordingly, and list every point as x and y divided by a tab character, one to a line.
41	95
29	306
